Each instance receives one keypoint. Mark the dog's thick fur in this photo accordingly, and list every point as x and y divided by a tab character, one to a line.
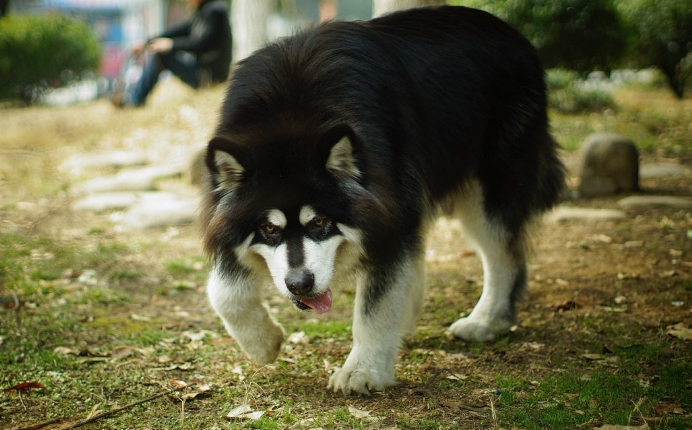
336	148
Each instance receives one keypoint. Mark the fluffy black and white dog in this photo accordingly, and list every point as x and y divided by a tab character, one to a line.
338	146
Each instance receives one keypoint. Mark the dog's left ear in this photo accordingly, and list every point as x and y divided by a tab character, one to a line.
342	160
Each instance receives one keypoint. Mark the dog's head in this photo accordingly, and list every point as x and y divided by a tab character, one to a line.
283	208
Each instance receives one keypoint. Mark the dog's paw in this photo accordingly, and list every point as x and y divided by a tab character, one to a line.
360	380
264	347
474	330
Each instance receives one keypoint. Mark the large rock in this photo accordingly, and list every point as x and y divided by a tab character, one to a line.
610	166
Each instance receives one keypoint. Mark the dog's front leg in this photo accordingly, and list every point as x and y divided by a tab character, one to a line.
237	300
381	303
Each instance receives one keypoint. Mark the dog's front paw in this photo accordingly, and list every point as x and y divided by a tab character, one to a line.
475	330
360	379
262	347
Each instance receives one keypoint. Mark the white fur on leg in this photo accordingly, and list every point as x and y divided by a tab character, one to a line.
238	302
500	270
415	299
376	338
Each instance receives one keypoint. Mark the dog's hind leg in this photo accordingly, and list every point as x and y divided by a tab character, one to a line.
503	256
382	302
236	299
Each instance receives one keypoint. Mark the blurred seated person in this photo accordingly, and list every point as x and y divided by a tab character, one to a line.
197	51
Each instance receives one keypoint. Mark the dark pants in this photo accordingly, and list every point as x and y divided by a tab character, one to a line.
181	64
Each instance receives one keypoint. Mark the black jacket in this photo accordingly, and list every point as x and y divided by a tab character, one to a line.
207	35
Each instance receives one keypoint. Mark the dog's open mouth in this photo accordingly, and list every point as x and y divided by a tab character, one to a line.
319	304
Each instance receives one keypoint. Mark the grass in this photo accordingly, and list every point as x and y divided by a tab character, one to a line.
107	318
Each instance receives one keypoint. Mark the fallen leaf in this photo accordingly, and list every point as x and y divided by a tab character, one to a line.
566	305
177	384
244	412
663	408
140	317
680	331
65	350
24	386
123	351
298	338
594	357
94	411
185	366
618	427
358	413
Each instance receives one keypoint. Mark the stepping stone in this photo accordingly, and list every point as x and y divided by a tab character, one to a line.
562	213
143	179
658	170
101	202
115	159
160	210
674	201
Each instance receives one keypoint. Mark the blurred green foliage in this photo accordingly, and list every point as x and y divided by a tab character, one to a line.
660	35
587	35
43	51
581	35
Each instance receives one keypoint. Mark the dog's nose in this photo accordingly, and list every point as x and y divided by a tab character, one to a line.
300	282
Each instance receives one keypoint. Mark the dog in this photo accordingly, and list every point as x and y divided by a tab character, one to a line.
338	146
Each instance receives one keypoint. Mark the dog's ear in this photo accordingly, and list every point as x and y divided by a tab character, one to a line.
225	168
342	160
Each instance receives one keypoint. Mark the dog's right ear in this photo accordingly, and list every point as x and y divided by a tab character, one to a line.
225	169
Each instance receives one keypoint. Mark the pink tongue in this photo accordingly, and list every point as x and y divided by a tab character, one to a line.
321	303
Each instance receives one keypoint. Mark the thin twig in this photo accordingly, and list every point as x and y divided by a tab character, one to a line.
39	425
472	409
101	415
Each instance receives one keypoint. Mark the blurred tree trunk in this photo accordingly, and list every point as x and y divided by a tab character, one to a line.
4	7
249	24
380	7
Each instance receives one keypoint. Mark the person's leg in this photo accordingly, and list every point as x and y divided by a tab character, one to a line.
181	64
184	66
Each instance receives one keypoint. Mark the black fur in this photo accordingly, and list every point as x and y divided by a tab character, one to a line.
431	98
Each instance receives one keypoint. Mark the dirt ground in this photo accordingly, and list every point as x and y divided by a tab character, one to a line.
598	290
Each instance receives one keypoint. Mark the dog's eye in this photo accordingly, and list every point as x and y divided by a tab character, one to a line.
270	232
317	223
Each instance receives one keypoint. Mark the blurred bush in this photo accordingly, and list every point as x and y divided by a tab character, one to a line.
568	94
37	52
581	35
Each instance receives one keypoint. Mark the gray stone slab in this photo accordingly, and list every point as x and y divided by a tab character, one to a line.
659	170
160	210
116	159
143	179
562	213
100	202
673	201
